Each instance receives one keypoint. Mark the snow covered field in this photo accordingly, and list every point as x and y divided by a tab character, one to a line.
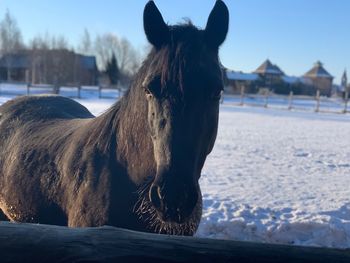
278	177
274	176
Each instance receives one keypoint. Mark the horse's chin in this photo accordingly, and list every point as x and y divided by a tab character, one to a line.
173	226
173	220
156	222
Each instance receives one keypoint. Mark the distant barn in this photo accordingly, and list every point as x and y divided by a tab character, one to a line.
56	66
320	79
269	72
236	80
270	76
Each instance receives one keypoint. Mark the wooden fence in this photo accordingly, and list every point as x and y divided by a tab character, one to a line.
44	243
74	91
315	103
267	99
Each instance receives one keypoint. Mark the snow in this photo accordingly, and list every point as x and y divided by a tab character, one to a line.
291	79
234	75
272	71
278	177
273	176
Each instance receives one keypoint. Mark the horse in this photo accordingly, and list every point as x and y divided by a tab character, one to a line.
137	165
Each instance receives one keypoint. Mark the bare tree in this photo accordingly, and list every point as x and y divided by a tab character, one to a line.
128	58
10	40
105	46
51	60
39	42
39	48
86	47
59	42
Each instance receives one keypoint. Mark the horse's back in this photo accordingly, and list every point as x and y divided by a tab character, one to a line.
34	130
31	108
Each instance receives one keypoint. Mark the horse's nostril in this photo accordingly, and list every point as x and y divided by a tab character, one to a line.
155	196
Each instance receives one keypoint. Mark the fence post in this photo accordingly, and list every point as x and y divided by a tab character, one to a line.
242	95
290	102
79	90
317	101
56	89
222	97
28	87
120	91
267	99
346	100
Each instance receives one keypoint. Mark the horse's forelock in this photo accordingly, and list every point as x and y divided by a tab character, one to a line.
172	62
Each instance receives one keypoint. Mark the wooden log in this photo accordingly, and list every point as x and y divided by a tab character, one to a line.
44	243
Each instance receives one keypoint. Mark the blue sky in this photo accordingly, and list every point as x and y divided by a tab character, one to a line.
291	33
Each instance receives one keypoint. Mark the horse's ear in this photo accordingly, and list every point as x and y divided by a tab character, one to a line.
217	25
157	32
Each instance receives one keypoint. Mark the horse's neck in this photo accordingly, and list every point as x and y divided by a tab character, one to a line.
134	145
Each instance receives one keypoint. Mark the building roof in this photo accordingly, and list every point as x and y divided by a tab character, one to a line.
88	62
318	71
268	68
235	75
296	80
291	79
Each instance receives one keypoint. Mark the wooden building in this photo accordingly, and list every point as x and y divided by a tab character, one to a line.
61	67
269	73
320	79
237	80
269	76
14	67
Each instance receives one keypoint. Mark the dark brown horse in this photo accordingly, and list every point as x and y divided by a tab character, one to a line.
137	165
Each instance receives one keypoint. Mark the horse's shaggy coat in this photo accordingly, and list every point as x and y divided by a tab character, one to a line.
137	165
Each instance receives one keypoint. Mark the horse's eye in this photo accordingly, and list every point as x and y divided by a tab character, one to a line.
153	88
217	94
148	92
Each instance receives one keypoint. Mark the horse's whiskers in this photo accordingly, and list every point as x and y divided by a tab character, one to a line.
148	214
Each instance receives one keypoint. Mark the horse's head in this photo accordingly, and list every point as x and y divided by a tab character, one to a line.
182	86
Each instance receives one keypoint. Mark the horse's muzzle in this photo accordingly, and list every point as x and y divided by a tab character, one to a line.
173	205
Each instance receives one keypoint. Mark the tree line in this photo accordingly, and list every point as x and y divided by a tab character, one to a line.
52	59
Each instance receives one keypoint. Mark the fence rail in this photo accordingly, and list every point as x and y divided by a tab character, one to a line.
74	91
315	103
44	243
